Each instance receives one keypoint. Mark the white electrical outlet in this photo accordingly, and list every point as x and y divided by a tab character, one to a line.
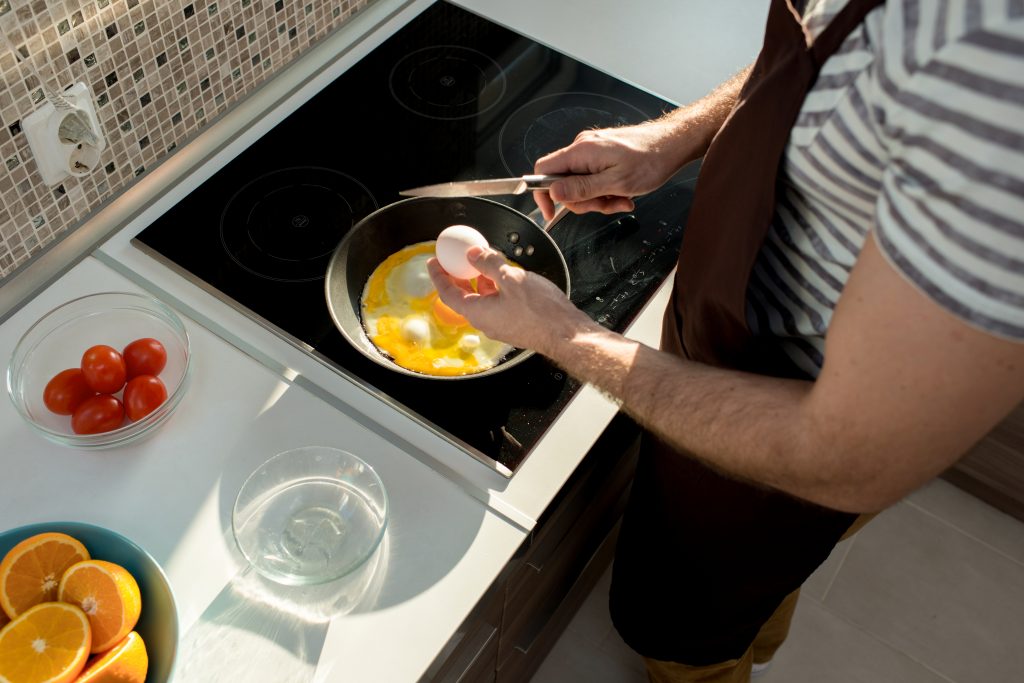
57	159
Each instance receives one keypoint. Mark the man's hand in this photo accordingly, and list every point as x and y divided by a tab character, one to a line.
608	167
511	304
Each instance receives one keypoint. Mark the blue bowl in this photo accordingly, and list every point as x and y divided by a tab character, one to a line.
158	622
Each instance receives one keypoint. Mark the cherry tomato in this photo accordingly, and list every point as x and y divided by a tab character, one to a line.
101	413
143	395
145	357
66	391
103	368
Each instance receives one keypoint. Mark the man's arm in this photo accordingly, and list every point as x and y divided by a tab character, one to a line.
905	390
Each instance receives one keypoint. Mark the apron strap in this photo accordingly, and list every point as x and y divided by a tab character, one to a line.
842	25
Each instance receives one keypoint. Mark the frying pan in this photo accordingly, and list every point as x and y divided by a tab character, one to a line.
421	219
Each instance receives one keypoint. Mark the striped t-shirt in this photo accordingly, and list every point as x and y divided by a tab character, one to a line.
914	131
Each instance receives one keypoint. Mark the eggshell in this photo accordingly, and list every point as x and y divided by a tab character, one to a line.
452	245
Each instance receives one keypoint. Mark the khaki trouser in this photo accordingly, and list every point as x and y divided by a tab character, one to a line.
768	640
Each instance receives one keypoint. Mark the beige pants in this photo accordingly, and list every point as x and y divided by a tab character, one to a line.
768	640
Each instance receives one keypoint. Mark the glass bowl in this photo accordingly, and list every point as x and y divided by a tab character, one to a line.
58	340
158	621
310	515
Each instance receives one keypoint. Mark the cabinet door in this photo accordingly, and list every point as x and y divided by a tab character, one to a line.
994	469
471	656
564	557
521	662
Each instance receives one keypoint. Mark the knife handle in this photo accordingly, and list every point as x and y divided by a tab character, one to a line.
539	182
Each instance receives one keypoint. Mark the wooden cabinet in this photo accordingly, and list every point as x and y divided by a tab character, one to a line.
994	469
518	621
471	654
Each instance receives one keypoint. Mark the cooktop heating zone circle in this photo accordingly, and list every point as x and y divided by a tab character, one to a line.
448	82
284	225
551	122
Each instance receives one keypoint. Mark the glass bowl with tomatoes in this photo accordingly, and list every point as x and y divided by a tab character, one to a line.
101	370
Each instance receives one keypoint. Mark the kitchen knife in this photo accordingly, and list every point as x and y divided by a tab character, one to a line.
479	188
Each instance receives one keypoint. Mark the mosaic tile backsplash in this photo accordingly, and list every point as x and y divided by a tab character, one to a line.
159	71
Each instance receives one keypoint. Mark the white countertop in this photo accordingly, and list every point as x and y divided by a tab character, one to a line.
455	522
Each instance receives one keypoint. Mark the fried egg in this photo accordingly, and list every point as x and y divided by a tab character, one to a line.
407	321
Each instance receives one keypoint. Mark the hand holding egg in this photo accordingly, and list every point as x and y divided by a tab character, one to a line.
452	245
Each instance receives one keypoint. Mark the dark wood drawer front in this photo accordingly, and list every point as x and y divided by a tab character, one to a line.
521	664
540	594
528	606
472	654
994	469
565	546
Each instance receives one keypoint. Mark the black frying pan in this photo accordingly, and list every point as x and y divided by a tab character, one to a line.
409	221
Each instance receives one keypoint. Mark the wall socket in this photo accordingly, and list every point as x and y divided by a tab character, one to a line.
55	158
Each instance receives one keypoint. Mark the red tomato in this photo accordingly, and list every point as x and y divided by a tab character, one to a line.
104	369
66	391
101	413
145	357
143	395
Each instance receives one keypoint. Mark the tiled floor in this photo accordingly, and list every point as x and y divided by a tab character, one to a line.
931	591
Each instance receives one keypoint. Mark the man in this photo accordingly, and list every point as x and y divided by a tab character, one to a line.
864	179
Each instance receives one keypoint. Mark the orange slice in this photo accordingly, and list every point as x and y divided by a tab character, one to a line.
108	595
48	643
31	571
126	662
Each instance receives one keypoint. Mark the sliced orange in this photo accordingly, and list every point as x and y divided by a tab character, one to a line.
31	571
4	619
108	595
48	643
126	662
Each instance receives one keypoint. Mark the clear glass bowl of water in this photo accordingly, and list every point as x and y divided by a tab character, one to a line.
310	515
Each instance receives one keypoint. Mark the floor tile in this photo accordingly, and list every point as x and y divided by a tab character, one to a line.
825	648
818	583
615	648
935	593
573	661
972	516
932	591
591	624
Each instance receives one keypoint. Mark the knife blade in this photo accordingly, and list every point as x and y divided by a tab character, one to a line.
479	188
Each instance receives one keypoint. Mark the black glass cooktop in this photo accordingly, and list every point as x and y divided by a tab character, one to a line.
449	96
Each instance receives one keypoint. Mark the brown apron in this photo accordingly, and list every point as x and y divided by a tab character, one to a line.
703	559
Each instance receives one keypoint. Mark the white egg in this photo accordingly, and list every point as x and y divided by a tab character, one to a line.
452	245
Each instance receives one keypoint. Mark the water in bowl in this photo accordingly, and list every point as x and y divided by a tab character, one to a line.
309	531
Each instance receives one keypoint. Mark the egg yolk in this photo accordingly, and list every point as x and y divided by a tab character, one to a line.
407	321
446	315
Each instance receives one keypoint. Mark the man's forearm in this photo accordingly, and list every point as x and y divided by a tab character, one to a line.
701	120
747	425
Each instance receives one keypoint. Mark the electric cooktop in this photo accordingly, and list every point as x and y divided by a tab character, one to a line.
450	96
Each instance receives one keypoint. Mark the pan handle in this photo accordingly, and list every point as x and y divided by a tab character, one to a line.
560	211
537	217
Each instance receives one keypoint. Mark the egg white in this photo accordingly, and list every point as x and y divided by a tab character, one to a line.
398	315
